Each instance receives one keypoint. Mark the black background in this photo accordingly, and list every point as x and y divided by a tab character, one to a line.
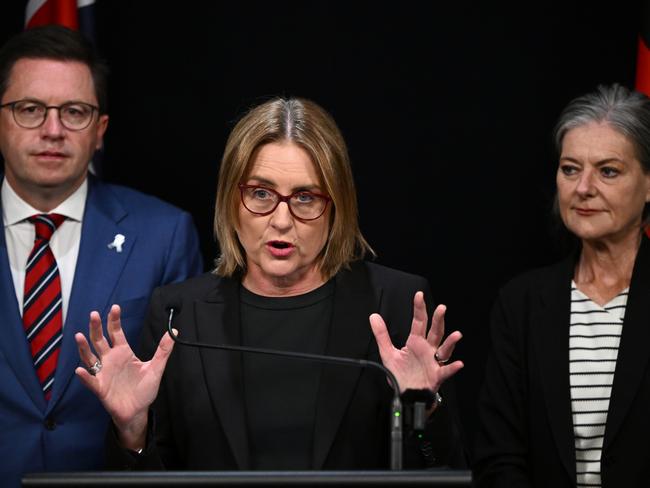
447	110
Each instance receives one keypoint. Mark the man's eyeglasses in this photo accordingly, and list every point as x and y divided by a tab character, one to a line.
303	205
30	114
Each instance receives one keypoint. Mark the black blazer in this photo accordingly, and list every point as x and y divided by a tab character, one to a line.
199	414
526	430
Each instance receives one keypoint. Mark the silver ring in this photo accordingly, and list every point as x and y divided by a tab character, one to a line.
440	361
95	368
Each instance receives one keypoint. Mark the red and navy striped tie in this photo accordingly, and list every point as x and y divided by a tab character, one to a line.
42	312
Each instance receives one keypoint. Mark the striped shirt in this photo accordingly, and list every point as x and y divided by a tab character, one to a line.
594	337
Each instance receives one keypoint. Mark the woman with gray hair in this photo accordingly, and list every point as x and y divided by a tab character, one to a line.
567	389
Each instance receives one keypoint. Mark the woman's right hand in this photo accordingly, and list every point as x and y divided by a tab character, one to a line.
125	385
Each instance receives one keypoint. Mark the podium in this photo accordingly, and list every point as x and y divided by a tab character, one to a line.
443	478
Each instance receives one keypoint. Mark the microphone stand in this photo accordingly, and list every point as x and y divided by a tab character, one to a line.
396	406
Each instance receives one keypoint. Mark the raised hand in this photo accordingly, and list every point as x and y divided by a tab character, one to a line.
125	385
423	361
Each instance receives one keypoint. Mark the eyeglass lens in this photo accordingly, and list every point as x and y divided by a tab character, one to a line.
30	114
303	204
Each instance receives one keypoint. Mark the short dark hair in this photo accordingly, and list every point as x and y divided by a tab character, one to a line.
58	43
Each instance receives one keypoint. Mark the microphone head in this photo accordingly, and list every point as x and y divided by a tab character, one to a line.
174	305
172	308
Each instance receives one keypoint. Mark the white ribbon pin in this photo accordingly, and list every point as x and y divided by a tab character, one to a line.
117	242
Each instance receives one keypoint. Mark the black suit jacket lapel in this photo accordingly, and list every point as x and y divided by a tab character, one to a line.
632	362
217	322
350	336
550	339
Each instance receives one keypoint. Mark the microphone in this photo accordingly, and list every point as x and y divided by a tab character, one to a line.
396	407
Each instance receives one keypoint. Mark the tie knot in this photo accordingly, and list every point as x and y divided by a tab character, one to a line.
46	224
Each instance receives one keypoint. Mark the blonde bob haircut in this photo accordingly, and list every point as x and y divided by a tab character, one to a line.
307	125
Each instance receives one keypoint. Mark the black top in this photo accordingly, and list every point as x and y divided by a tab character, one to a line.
200	414
280	429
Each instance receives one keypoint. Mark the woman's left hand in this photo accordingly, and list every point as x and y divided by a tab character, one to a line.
423	362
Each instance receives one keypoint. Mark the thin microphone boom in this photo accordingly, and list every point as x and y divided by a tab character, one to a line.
396	408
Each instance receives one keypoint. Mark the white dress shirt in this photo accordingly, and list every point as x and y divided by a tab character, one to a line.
20	234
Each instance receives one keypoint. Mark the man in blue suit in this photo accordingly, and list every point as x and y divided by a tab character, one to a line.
106	244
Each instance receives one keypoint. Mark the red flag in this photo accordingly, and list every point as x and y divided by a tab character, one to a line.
642	82
75	14
43	12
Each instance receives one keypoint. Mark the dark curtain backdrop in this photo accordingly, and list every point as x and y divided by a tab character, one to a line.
447	108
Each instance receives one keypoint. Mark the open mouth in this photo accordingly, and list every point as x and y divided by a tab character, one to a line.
280	245
280	249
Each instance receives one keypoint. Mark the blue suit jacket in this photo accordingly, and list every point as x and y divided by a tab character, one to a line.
67	434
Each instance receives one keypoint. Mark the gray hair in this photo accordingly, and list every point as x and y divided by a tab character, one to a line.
624	110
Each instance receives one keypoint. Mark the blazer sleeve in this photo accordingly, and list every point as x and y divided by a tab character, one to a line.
501	452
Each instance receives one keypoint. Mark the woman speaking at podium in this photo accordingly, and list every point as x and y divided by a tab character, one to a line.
290	277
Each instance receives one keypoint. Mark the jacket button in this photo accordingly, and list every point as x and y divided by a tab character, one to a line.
50	423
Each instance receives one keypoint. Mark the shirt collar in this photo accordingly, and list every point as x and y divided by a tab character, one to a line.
15	209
